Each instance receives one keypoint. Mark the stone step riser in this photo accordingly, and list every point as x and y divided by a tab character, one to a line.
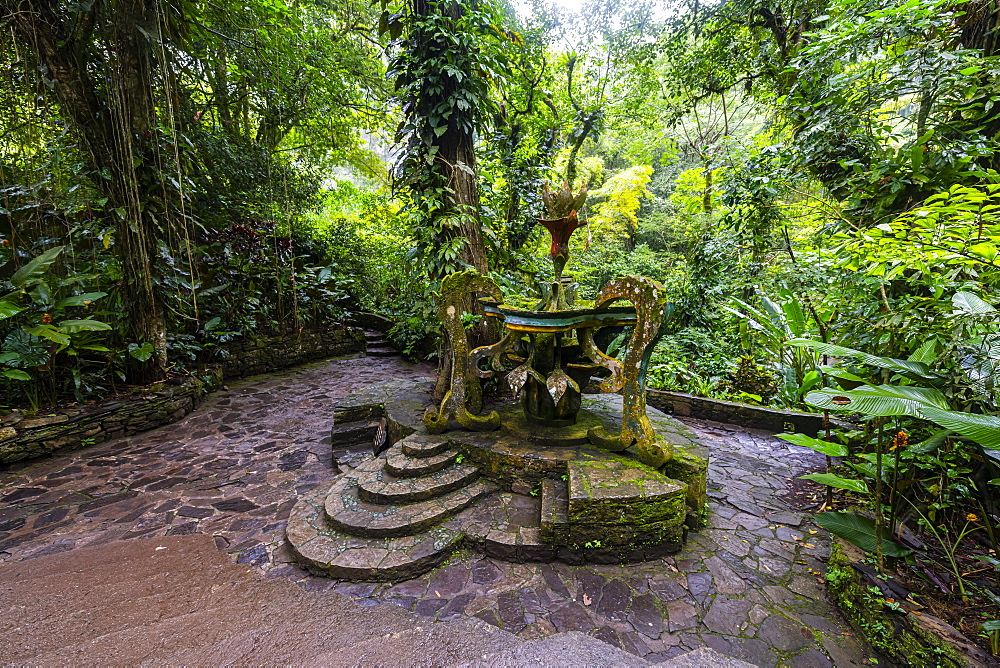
354	433
381	352
404	466
386	494
345	512
423	449
554	509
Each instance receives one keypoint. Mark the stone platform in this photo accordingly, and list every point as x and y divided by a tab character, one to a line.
518	494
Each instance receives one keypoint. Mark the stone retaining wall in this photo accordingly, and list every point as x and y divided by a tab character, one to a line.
905	635
745	415
249	358
30	437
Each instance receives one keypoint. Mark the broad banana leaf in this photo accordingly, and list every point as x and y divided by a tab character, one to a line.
983	429
823	447
35	268
75	326
907	367
879	400
837	481
860	531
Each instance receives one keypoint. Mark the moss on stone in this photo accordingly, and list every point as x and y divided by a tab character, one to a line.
890	632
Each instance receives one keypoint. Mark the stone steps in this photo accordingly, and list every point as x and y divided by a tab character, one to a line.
402	465
381	351
423	445
378	345
347	513
327	551
354	433
506	526
554	512
381	487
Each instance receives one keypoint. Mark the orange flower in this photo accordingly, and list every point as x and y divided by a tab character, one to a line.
46	319
971	517
900	440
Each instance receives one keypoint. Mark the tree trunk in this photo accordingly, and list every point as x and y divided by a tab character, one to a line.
115	122
455	161
706	198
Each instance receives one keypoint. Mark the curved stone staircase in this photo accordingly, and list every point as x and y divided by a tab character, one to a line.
393	517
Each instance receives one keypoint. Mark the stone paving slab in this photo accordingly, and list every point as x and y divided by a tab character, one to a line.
749	585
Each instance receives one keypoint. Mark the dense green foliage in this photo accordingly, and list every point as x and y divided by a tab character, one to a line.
816	183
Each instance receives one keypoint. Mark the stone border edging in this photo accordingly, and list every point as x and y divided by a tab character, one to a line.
38	436
732	412
911	638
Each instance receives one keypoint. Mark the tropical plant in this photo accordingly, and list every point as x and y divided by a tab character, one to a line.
777	321
895	476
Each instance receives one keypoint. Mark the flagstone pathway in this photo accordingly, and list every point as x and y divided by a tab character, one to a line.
750	585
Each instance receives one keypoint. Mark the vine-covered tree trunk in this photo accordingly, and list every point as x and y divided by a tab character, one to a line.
443	96
114	115
456	157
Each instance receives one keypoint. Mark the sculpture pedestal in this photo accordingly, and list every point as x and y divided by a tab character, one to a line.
521	493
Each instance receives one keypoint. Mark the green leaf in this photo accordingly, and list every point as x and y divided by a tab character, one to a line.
930	444
76	326
7	310
80	300
141	353
971	304
837	481
15	374
35	268
925	353
983	429
917	369
859	530
823	447
878	400
49	333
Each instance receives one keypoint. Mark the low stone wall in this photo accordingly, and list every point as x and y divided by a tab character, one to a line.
907	636
249	358
31	437
745	415
40	435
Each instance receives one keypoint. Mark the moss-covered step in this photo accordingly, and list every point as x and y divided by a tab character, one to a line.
554	512
326	551
615	501
380	487
347	513
505	526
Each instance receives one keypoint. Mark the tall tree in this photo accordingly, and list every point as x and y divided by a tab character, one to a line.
442	74
887	103
99	61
